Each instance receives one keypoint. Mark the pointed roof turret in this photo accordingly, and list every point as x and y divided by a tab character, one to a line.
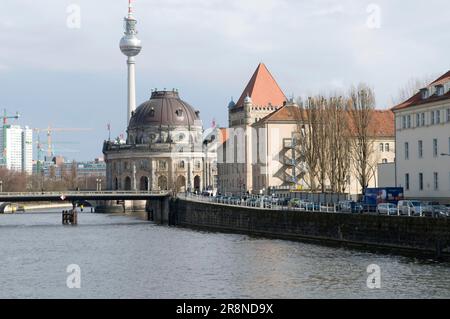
262	89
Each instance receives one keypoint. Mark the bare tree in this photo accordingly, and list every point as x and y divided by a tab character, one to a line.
361	107
339	144
307	122
13	181
412	87
322	140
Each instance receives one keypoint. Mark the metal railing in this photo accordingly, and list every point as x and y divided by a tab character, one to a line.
77	193
258	202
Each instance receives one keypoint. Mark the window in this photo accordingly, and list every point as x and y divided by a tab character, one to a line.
420	149
387	147
424	93
436	181
381	147
404	121
409	121
421	181
438	116
422	119
179	112
384	161
182	164
406	151
448	115
162	164
407	182
152	112
417	119
435	147
432	117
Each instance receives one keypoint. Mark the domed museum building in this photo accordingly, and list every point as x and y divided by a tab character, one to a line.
163	149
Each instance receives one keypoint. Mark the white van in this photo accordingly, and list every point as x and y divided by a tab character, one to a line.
410	207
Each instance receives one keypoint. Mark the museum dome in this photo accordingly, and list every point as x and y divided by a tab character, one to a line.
165	108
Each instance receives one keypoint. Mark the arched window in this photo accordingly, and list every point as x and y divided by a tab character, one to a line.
381	147
387	147
182	164
162	165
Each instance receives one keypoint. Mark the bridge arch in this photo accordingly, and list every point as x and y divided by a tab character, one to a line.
127	184
162	183
144	184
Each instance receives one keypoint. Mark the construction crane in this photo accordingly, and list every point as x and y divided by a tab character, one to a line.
6	117
49	130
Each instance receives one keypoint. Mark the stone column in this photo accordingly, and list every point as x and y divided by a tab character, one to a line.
133	181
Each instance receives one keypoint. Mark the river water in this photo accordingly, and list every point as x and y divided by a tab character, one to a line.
124	257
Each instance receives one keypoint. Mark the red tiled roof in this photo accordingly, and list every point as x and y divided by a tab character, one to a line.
416	99
382	122
263	89
286	113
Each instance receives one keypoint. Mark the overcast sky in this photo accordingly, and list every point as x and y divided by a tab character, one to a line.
58	75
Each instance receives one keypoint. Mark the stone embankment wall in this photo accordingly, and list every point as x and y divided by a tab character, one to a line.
399	234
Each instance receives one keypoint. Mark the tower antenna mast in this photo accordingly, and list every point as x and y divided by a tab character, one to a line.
130	46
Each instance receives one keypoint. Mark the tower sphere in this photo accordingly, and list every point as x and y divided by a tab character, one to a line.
130	45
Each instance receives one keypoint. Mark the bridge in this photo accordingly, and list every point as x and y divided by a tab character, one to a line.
157	202
76	196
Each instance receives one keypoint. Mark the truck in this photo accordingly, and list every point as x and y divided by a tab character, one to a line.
374	196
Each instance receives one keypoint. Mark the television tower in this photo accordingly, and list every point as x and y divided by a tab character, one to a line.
130	45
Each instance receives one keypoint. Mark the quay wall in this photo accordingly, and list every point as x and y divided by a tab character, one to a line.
419	236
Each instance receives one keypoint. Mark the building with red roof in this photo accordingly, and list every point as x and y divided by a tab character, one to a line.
422	127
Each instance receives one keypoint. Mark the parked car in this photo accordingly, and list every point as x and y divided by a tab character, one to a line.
252	202
410	207
235	200
225	199
357	208
284	201
295	202
441	211
387	209
348	206
310	206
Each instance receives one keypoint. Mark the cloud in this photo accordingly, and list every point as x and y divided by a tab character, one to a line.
209	49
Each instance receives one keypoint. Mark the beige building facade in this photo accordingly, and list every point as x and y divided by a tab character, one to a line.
261	97
263	148
422	125
278	136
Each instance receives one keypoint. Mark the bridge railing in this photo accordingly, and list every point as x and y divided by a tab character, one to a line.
78	193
